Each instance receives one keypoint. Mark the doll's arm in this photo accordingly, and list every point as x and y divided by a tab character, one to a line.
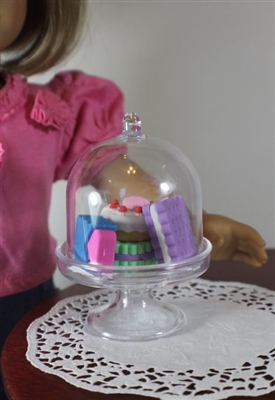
233	240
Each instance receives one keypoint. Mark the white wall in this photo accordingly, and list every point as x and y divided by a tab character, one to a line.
200	73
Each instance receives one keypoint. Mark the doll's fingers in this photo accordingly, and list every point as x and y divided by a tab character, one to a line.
246	233
262	257
247	259
249	247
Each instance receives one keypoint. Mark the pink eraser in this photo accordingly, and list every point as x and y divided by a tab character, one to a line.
102	247
134	201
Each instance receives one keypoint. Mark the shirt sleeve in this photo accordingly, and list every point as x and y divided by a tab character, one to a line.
96	107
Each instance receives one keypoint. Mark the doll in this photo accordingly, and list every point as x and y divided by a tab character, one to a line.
43	131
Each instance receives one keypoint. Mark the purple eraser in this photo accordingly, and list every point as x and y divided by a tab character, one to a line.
170	229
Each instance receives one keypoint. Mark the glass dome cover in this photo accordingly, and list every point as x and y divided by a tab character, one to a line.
134	217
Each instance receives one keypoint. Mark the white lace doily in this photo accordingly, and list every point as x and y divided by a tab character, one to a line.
226	349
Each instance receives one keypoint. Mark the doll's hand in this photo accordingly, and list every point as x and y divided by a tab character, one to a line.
233	240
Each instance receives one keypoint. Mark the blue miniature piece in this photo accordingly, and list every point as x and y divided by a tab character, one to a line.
85	225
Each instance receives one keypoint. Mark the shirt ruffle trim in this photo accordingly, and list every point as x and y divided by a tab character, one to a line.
50	110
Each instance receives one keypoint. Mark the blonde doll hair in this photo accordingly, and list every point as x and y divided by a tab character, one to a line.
51	31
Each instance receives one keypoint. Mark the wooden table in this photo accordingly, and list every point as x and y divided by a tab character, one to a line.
24	382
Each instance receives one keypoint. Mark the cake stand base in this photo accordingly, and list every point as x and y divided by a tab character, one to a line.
134	315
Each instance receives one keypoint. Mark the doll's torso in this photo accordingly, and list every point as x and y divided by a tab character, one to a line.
43	130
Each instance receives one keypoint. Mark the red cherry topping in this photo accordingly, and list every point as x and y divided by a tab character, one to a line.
138	210
122	209
114	204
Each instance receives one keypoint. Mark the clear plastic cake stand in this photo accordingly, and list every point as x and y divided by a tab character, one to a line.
132	314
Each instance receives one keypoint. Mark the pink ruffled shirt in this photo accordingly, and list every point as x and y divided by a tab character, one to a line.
43	131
